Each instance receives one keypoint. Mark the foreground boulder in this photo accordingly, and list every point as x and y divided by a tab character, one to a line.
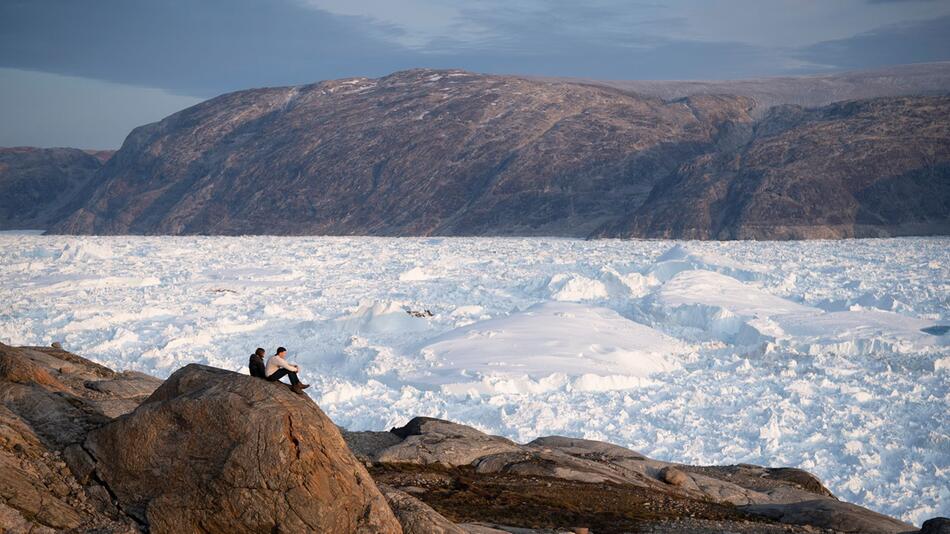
216	451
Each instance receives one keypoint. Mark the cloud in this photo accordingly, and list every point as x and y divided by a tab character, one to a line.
911	42
206	47
41	109
604	40
193	47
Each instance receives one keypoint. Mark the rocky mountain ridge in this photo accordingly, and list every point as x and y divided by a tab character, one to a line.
427	152
85	449
870	168
40	186
413	153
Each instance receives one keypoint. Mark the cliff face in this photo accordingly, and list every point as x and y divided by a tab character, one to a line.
453	153
856	169
39	186
414	153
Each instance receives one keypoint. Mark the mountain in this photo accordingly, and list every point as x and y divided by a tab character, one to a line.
39	186
428	152
101	155
415	153
869	168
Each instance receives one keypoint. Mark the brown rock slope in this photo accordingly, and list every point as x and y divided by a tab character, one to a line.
216	451
49	399
207	451
219	452
856	169
39	186
414	153
557	482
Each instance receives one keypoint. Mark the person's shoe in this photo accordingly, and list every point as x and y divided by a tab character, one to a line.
304	386
298	388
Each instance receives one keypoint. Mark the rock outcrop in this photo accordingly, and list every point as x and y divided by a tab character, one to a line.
937	525
426	440
49	400
830	514
452	467
415	516
215	451
40	186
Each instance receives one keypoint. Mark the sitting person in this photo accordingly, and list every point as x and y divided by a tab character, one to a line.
277	368
256	363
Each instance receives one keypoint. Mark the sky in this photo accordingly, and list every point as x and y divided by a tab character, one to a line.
83	73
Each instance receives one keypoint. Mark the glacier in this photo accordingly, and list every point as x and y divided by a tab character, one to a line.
823	355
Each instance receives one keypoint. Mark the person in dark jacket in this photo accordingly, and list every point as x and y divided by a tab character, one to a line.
256	363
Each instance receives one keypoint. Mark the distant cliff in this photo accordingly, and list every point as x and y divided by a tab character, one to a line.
39	186
869	168
428	152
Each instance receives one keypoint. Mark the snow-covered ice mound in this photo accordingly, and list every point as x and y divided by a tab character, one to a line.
73	283
416	274
681	258
722	307
605	285
84	251
382	317
858	332
717	290
576	288
554	338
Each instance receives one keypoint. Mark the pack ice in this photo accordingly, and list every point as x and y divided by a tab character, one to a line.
824	355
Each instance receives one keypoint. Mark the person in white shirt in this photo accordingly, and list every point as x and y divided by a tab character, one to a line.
278	367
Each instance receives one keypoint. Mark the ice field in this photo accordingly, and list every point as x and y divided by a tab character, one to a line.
822	355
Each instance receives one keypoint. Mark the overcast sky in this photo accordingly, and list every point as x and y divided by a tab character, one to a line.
85	72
